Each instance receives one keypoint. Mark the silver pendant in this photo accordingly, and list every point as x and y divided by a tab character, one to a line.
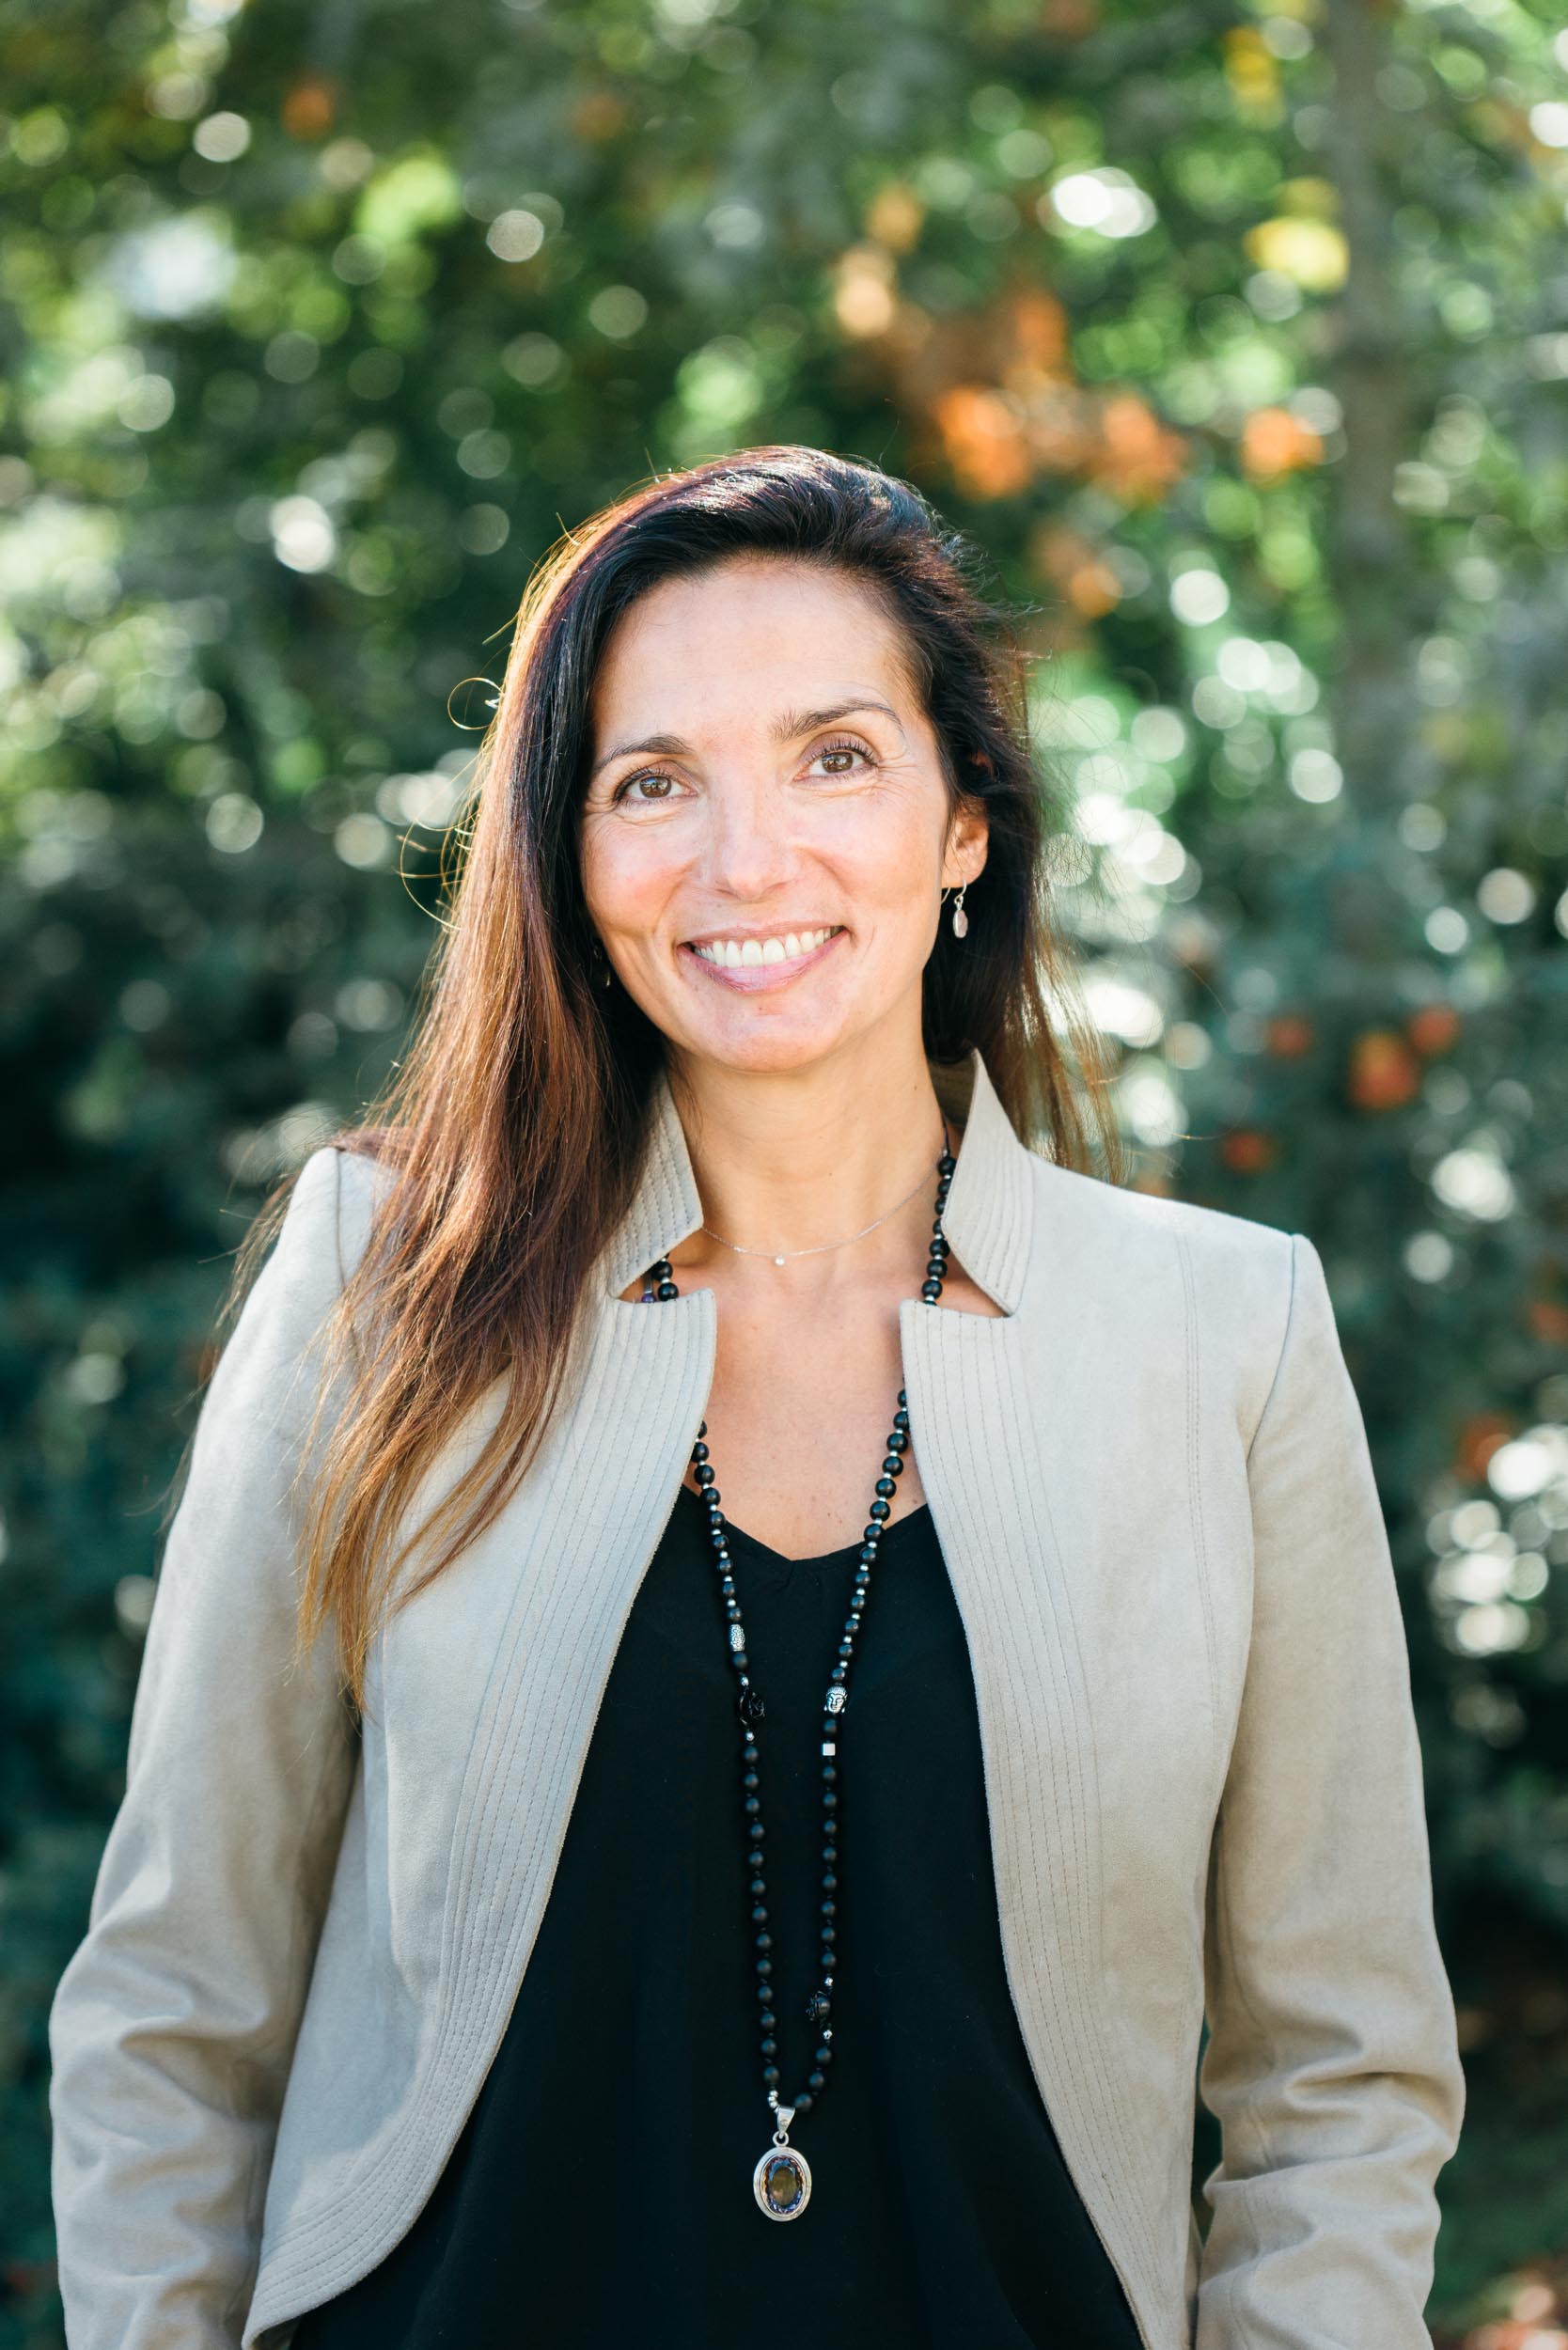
782	2179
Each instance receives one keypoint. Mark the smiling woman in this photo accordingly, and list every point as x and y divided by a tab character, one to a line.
767	817
544	1878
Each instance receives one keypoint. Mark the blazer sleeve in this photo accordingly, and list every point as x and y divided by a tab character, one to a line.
173	2025
1332	2064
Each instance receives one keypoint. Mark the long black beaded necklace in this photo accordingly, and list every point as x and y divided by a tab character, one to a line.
782	2182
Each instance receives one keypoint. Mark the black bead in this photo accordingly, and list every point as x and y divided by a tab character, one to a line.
764	1941
764	1967
768	2047
819	2007
771	2077
815	2080
829	1800
803	2104
886	1487
751	1707
705	1476
825	2054
665	1289
880	1509
759	1915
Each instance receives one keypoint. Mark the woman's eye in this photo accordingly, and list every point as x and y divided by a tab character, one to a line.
637	787
647	776
835	750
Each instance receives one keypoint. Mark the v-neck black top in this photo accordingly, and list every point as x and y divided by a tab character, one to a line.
601	2191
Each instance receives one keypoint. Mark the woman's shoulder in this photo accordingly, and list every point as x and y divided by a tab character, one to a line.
334	1196
1119	1213
1167	1272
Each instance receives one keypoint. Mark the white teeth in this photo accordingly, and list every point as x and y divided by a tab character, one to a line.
731	954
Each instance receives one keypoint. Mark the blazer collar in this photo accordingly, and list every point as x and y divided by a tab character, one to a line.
990	1200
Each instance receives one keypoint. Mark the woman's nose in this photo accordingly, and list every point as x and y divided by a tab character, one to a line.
748	847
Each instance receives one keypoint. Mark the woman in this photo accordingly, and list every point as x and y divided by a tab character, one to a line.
829	1640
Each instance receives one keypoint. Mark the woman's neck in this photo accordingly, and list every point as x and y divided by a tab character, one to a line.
788	1160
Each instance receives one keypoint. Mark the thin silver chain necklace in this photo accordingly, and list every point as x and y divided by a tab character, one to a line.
781	2181
822	1245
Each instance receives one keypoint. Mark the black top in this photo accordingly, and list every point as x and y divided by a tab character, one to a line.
601	2193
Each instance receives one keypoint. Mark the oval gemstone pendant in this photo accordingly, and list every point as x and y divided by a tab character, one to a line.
782	2179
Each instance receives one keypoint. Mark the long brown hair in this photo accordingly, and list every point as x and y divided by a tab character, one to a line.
512	1133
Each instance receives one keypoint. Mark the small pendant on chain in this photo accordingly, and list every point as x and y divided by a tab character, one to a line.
782	2179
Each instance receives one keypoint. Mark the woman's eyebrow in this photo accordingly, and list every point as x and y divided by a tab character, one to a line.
787	727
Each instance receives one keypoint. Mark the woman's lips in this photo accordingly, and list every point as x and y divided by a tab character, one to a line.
757	978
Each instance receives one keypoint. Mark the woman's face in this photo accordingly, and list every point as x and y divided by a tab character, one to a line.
765	877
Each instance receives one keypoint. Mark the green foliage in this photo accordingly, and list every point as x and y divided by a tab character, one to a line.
1238	337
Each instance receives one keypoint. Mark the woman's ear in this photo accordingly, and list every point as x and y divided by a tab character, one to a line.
968	836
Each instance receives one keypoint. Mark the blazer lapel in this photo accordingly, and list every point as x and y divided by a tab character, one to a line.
993	1423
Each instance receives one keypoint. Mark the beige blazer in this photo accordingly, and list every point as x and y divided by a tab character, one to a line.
1152	1488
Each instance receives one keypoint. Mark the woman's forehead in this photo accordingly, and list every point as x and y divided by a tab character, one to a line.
745	637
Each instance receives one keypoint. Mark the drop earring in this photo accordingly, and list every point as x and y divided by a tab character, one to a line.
961	921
